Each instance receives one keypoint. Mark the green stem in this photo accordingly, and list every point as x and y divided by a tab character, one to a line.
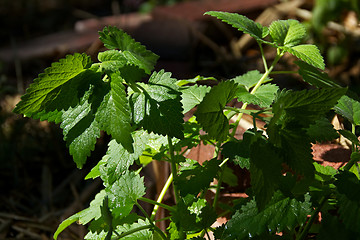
161	197
263	57
158	230
218	188
131	231
284	72
258	84
157	203
312	219
173	168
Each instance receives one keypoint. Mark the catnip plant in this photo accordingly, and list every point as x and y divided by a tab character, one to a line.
145	120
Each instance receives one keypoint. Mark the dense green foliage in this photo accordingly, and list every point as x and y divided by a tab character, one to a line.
145	121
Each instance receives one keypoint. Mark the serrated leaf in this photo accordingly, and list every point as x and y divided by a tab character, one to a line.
113	113
322	130
158	107
80	130
242	23
111	60
314	77
239	150
349	109
145	234
293	113
287	32
308	53
124	192
250	79
306	106
192	181
265	170
263	97
348	185
86	215
52	83
118	159
192	96
349	211
210	111
134	52
282	213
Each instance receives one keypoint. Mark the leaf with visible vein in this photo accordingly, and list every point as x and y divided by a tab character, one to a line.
287	32
80	129
144	234
134	52
191	181
114	115
118	159
250	79
52	84
322	130
308	53
282	213
306	106
111	60
348	186
265	170
314	77
85	216
263	97
349	109
192	96
210	111
158	107
242	23
124	192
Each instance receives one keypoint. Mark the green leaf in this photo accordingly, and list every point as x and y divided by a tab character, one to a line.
124	193
95	171
265	170
192	181
348	185
321	131
250	79
282	213
111	60
142	233
239	150
287	32
113	113
332	227
242	23
158	107
263	97
86	215
210	111
192	96
80	129
134	52
314	77
308	53
118	159
293	113
304	107
349	109
52	84
349	135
